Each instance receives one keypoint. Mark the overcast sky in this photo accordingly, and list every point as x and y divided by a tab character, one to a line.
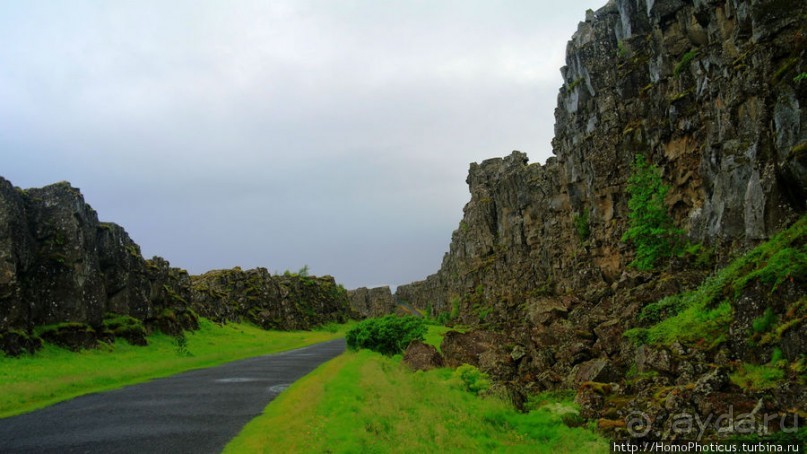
333	134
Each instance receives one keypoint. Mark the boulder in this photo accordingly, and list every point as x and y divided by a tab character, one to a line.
488	351
599	370
420	356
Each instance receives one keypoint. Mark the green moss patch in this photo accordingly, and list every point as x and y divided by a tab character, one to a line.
704	314
126	327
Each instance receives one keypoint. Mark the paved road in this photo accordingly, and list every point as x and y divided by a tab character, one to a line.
193	412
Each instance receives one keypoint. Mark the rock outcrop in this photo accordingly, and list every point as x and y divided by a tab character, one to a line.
62	272
421	356
372	302
713	93
282	302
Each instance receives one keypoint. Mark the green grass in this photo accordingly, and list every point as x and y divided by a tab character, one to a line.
753	377
54	374
434	336
365	402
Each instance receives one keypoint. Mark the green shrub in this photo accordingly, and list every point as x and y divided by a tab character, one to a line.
471	379
786	264
650	226
455	308
755	377
763	324
181	344
581	226
776	356
388	335
699	256
443	318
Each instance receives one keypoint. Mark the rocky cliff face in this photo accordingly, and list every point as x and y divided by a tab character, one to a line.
64	270
69	278
283	302
372	302
710	91
704	89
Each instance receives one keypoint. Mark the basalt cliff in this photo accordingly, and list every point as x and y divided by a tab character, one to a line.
67	278
713	93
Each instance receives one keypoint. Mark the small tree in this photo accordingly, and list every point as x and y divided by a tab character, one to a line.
650	227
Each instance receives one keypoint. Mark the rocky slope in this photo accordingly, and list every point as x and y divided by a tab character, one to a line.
711	92
72	280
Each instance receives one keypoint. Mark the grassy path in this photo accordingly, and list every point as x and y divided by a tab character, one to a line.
54	375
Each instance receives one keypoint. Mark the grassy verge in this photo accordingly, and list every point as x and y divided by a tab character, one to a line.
53	374
365	402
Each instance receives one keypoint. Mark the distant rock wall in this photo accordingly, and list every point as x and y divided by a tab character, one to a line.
282	302
372	302
64	271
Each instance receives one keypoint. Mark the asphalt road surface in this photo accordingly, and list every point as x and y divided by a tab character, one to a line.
193	412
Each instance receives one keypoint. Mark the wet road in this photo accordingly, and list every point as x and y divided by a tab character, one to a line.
193	412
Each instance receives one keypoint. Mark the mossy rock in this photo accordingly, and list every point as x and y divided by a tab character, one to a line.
597	387
15	343
798	152
70	335
175	321
126	327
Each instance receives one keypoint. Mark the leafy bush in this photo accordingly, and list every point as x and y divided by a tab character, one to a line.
443	318
785	264
471	379
699	256
455	308
181	344
651	228
581	226
754	377
388	335
764	323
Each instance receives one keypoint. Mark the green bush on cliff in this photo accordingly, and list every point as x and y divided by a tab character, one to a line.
388	335
581	226
650	226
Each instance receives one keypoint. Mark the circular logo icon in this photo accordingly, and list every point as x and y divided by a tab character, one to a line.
638	424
